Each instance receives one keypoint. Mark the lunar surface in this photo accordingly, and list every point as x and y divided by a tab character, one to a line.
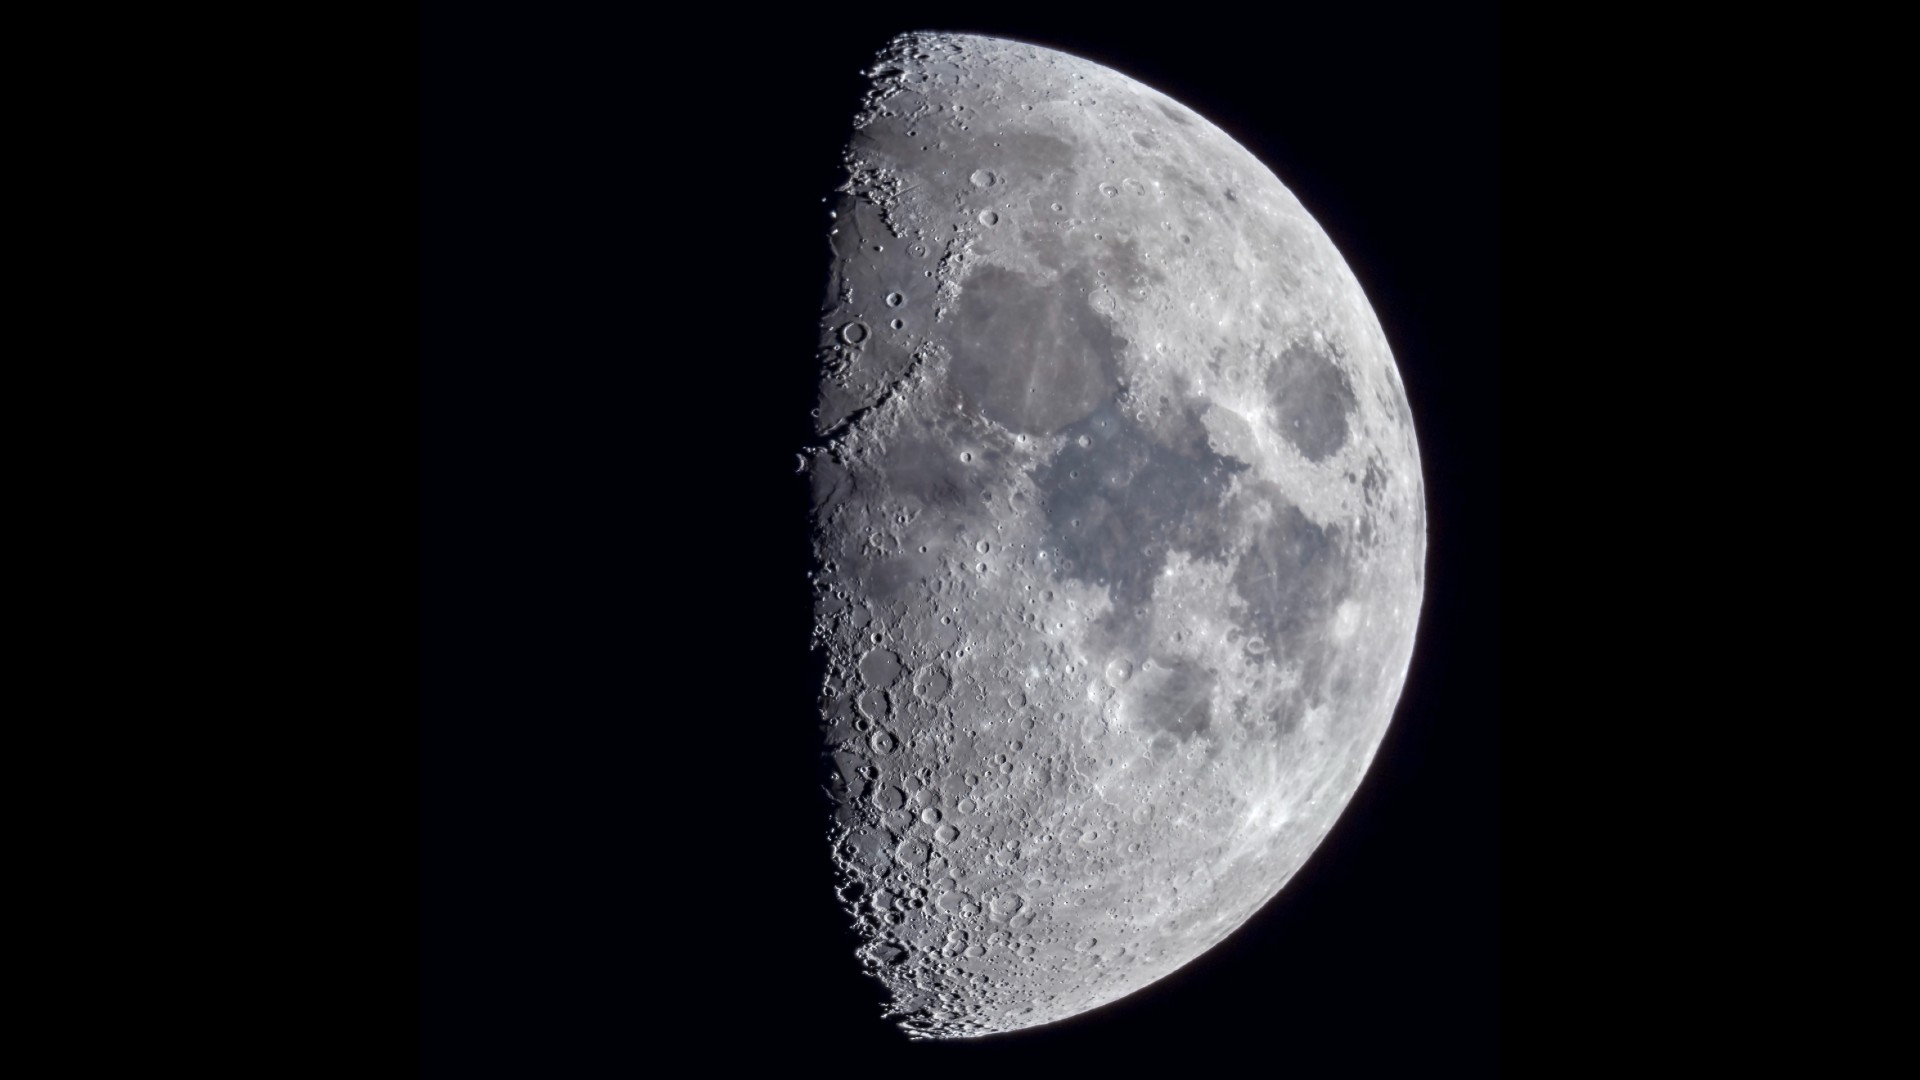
1118	531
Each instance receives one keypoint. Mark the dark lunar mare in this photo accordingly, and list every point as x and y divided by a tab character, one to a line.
1312	399
1117	502
1292	575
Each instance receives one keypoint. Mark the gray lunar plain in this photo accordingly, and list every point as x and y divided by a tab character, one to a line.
1118	526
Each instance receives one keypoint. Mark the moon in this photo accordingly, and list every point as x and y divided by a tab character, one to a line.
1118	530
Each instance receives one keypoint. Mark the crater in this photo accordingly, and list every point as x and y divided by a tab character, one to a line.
1312	398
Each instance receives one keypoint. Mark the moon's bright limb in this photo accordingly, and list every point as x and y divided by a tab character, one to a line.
1119	527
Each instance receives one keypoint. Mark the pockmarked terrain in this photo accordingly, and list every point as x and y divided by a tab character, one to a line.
1118	526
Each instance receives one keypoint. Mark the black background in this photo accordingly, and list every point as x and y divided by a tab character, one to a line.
622	856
